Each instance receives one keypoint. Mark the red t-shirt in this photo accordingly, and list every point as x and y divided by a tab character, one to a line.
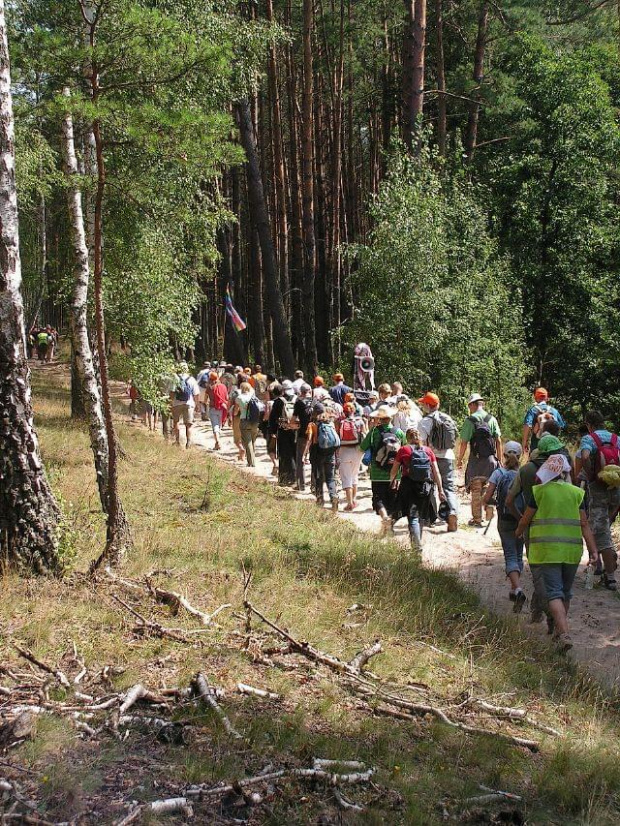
403	457
218	396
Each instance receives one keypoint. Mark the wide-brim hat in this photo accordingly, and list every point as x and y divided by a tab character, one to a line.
384	412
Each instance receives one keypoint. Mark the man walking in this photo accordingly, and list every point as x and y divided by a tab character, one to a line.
183	402
481	432
539	413
438	431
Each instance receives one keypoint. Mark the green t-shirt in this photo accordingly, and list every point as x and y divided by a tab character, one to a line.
467	428
371	439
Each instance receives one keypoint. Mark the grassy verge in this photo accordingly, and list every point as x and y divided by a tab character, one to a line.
201	523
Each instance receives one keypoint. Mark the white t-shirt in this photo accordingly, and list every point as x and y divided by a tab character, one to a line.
425	428
297	385
193	385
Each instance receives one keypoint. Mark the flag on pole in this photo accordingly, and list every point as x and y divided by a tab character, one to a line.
238	323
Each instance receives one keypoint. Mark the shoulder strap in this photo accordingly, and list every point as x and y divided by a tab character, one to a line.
597	439
487	418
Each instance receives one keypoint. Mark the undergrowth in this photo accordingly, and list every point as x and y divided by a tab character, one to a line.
201	523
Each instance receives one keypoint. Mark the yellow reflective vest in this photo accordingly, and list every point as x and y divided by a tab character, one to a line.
555	531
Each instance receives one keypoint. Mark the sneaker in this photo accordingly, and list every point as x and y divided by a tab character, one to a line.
320	501
474	523
519	600
335	504
453	523
563	643
609	582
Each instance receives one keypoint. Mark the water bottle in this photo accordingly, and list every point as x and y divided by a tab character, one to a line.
589	576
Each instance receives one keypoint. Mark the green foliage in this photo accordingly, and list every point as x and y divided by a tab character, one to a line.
433	290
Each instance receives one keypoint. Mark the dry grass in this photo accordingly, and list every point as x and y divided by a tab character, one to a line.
307	570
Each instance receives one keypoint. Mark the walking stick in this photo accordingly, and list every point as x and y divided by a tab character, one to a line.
486	530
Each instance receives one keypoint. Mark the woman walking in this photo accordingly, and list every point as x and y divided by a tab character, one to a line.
352	430
283	426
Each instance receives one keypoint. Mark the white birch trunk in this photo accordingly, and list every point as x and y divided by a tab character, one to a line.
28	512
79	329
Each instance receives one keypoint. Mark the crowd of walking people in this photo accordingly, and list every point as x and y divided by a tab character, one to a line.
548	503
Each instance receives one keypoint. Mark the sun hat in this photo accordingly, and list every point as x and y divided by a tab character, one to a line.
384	412
431	399
555	466
287	384
513	447
475	397
540	394
549	444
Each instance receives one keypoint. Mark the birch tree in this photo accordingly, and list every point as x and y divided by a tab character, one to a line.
29	516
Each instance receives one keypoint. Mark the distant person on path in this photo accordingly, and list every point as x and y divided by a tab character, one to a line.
407	415
439	431
298	381
319	392
43	343
250	411
165	386
283	426
217	397
413	475
234	418
351	429
323	442
384	442
500	482
340	389
601	449
203	382
558	526
302	412
481	432
183	402
540	412
260	383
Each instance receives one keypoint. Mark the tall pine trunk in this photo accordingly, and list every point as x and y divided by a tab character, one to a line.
260	218
442	120
29	515
471	134
413	67
82	354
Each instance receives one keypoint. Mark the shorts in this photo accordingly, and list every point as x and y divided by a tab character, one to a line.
557	578
349	468
383	496
603	502
183	411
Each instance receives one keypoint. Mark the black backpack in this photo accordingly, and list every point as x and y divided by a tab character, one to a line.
444	432
419	466
254	410
482	442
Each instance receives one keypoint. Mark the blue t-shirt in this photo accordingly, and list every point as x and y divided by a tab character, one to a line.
542	407
588	443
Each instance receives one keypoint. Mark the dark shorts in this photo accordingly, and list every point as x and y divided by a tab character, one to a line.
383	496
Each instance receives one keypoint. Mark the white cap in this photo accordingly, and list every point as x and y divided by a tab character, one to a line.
475	397
512	447
384	412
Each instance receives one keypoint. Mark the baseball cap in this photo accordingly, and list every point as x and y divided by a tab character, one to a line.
540	393
431	399
549	444
475	397
512	447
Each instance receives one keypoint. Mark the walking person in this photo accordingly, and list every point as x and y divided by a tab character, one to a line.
250	410
203	382
323	442
500	482
217	398
481	432
302	412
183	403
413	475
340	389
351	430
384	442
283	426
235	421
439	431
539	413
407	415
600	449
558	526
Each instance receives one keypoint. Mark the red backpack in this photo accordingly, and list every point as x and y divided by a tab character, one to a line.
607	454
349	432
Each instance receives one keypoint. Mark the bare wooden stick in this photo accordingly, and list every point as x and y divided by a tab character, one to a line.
170	806
177	601
359	661
347	804
501	711
138	692
353	765
242	688
57	673
200	681
155	627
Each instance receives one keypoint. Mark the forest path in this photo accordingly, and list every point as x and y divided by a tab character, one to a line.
471	555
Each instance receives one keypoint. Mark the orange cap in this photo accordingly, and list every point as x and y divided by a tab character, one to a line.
431	399
213	377
318	381
349	397
348	407
540	394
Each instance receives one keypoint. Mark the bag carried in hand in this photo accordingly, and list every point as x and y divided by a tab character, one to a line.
183	392
287	420
607	455
420	466
482	442
444	432
327	438
387	448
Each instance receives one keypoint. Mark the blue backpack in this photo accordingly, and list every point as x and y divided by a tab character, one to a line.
420	466
501	492
327	438
183	393
254	410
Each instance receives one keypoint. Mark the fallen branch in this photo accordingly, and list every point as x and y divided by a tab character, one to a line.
177	601
139	692
158	629
359	661
242	688
56	673
346	804
207	694
354	765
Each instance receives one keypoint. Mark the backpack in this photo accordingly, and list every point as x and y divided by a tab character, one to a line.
287	420
327	438
419	466
304	416
443	434
386	450
349	432
482	442
607	454
183	392
501	493
254	410
541	417
203	381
